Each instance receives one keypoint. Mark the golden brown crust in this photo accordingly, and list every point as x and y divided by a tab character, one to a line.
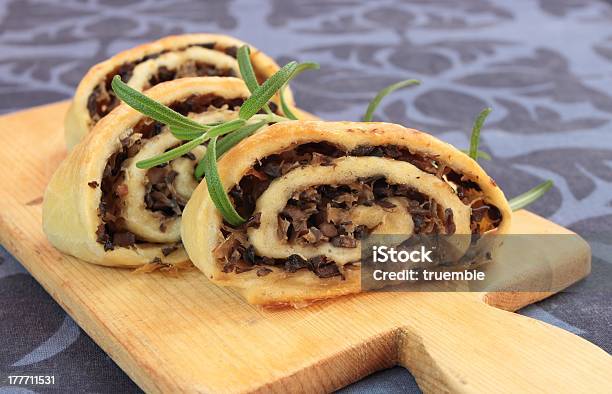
201	223
70	208
78	122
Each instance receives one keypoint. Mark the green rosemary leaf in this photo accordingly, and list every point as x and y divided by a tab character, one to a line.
286	110
229	142
199	171
475	137
185	134
384	92
152	108
171	154
264	93
521	201
225	128
303	67
481	154
247	72
300	68
215	187
246	68
232	139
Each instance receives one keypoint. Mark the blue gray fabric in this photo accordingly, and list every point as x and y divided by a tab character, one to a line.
543	65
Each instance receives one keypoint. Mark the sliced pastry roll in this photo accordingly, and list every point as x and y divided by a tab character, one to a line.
99	206
142	67
313	190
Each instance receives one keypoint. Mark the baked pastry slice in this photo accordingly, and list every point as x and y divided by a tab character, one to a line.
173	57
100	207
312	190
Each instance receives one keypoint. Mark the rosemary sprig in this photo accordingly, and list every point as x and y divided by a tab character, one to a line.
186	129
384	92
201	133
215	187
475	137
522	200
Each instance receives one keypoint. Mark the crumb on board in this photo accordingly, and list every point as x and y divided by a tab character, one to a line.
165	268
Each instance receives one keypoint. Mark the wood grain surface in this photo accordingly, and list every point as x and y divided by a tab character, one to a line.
184	334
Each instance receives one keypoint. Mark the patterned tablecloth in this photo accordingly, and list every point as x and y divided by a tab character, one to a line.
545	66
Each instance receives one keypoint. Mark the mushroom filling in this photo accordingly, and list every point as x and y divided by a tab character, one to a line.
102	99
190	68
160	194
319	214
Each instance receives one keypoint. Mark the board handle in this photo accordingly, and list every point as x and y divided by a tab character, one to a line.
476	348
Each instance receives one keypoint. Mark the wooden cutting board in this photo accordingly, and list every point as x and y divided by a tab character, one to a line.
184	334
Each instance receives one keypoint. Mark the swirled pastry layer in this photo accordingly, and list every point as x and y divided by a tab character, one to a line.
313	190
101	208
170	58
